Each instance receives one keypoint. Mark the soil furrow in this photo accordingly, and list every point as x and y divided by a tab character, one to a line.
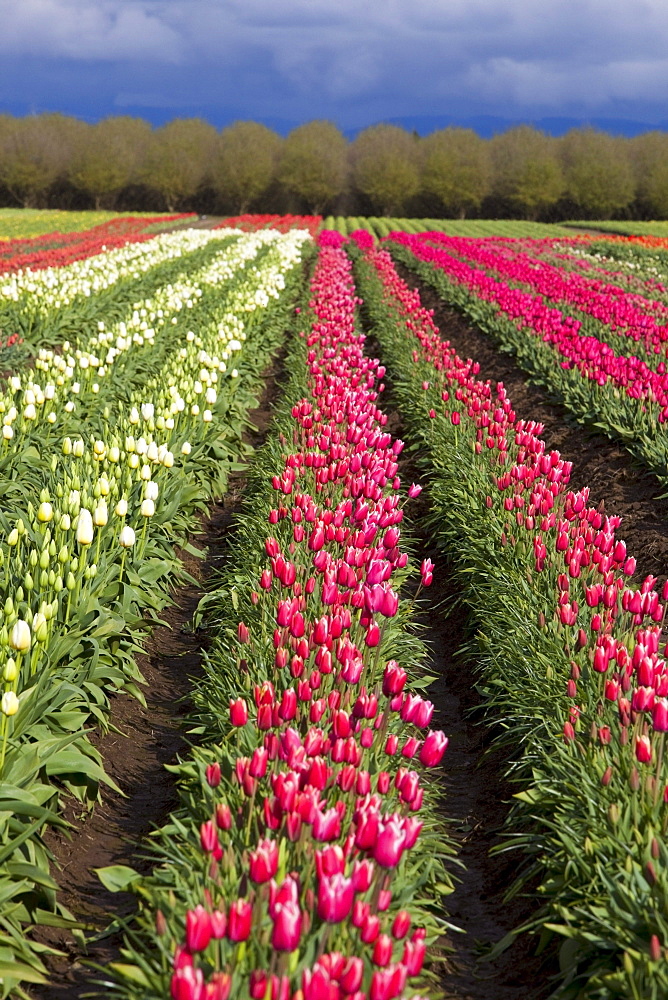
476	794
475	807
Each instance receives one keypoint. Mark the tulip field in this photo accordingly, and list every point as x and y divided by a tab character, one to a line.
310	854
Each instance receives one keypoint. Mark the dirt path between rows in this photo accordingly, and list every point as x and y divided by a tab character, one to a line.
135	757
476	794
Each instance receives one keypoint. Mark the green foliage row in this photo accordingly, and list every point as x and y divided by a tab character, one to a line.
477	228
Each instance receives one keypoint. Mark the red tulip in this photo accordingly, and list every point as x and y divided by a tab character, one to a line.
643	749
350	978
660	715
263	862
239	920
187	984
218	988
238	712
223	816
389	845
213	774
287	928
198	929
401	925
394	679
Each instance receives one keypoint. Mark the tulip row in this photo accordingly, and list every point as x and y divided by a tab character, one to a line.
630	320
306	859
570	649
51	301
624	397
55	249
91	552
623	269
133	348
282	223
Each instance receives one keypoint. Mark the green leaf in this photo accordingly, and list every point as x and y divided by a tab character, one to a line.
117	878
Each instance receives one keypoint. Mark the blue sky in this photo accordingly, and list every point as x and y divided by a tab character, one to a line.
356	62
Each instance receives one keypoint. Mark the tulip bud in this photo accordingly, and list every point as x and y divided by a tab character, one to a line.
10	673
85	530
147	508
9	704
20	638
126	539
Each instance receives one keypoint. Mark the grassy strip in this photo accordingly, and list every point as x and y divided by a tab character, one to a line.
590	817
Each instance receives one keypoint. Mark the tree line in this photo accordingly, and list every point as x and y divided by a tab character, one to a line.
56	161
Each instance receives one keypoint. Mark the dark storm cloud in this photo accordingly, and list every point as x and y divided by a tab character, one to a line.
345	59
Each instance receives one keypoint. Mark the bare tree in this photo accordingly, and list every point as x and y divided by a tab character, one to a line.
597	171
107	157
178	159
34	153
649	161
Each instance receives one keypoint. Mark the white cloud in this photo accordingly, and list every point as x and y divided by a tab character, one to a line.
79	29
416	56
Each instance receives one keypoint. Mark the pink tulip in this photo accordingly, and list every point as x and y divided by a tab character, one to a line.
335	897
286	932
434	746
238	712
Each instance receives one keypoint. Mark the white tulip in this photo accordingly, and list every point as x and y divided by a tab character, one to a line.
126	539
85	531
9	703
100	515
44	512
20	637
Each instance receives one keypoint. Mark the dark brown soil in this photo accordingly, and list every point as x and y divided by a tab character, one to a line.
476	794
475	797
135	757
475	807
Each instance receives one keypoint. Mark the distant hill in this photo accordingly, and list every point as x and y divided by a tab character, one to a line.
489	125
